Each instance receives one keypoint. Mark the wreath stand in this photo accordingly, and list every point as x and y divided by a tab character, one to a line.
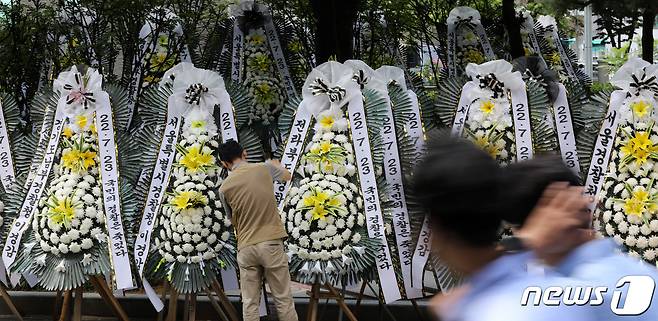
315	294
382	305
10	303
218	300
64	298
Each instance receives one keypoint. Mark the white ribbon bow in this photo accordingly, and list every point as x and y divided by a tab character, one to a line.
546	21
463	14
238	10
195	88
392	74
501	70
367	77
328	86
79	90
637	77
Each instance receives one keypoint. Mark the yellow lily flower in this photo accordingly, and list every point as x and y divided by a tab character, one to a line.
195	160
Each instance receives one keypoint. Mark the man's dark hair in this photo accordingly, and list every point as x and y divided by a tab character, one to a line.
457	183
229	151
523	184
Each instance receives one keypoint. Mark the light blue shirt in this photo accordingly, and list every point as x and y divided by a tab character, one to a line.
602	263
496	292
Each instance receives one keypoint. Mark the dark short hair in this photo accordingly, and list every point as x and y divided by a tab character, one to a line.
230	151
457	183
523	184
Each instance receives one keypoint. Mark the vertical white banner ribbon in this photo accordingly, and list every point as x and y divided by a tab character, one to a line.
566	62
227	119
238	46
111	193
529	26
7	174
415	125
452	49
603	148
565	133
462	109
368	182
393	175
31	202
156	193
293	150
522	129
279	57
41	145
421	250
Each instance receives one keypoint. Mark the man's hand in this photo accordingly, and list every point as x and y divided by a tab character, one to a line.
558	224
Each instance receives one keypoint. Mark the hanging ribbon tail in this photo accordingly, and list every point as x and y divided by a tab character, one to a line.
153	296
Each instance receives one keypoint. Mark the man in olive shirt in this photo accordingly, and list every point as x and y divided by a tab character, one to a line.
248	197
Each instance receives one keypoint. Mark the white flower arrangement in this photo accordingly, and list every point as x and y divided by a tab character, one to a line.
192	226
264	86
527	28
324	213
489	125
71	215
468	47
629	205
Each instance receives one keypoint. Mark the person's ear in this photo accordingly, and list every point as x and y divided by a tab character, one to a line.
226	165
244	154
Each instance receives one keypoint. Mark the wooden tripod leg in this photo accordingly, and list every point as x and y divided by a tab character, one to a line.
108	296
341	302
191	312
10	303
225	302
360	297
173	304
56	306
312	314
77	305
186	308
415	305
165	289
215	304
66	303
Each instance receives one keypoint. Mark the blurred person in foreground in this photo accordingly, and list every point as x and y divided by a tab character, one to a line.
594	261
459	185
248	197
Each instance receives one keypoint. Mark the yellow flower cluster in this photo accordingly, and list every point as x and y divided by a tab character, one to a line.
188	199
195	160
321	204
61	211
639	203
78	160
639	148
